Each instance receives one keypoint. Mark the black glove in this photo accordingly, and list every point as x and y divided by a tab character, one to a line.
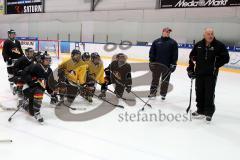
191	73
172	68
128	88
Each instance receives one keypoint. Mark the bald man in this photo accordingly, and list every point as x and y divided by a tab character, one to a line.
205	59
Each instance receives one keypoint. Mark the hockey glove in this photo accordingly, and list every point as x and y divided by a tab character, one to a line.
172	68
191	73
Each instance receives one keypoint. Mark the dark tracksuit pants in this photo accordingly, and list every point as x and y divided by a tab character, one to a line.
205	94
157	73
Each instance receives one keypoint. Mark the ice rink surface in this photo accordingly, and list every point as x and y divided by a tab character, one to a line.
108	138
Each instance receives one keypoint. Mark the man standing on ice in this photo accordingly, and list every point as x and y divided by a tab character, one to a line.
163	58
12	50
205	59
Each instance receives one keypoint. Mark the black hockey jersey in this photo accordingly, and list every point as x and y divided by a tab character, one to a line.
119	74
11	49
20	64
36	72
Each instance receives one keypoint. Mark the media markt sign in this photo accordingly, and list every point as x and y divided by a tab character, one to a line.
198	3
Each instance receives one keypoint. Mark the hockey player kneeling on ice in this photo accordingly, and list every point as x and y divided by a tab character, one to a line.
19	66
205	59
12	50
95	75
119	73
72	74
36	77
164	51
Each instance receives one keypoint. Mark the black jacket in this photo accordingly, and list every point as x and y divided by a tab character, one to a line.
164	51
207	60
8	48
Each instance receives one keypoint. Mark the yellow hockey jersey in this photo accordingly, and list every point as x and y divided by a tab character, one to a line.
75	72
96	72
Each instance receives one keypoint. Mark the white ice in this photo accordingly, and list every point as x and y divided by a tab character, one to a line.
106	138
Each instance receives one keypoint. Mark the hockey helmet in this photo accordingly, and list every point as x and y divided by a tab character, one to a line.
45	56
86	55
75	52
11	31
94	55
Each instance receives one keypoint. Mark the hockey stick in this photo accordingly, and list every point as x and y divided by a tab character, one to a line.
190	102
125	99
119	82
81	88
116	105
62	102
145	103
19	107
169	73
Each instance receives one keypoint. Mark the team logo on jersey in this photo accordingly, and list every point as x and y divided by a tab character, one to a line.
211	49
15	50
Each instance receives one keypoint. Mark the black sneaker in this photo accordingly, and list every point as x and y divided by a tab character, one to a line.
152	95
38	117
196	115
163	98
208	119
